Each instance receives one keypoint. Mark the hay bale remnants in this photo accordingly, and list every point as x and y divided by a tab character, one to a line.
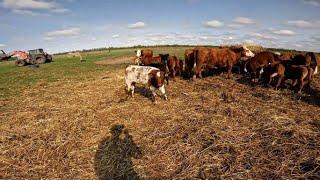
210	128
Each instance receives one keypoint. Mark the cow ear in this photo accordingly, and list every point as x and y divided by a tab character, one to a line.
135	51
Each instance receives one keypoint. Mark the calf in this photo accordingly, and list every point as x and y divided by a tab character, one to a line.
150	76
299	74
175	66
258	62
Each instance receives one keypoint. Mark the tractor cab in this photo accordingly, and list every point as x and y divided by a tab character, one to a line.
36	52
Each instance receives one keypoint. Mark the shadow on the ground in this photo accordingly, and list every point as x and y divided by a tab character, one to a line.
114	154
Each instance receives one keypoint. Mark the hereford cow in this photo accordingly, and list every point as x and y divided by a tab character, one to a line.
189	62
160	62
175	66
142	54
259	62
213	57
299	74
147	75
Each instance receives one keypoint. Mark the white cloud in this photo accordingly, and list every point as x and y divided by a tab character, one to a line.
312	2
60	10
304	24
24	12
33	7
213	24
93	39
316	38
284	32
29	4
261	36
2	45
48	38
235	26
64	32
137	25
116	36
243	20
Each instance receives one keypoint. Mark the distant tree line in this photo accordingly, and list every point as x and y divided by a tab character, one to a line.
168	45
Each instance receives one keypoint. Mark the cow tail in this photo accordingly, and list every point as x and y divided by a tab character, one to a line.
314	64
195	58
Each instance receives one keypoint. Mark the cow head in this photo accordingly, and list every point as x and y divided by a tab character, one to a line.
164	58
157	78
246	52
138	53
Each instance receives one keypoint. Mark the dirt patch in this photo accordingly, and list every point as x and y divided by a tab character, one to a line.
117	60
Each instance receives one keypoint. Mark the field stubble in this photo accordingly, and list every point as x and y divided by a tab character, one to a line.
209	128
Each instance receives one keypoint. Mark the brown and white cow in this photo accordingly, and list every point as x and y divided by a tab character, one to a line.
299	74
255	66
213	57
142	54
147	75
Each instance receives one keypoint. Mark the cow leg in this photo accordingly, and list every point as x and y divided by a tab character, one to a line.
132	90
163	92
198	69
154	94
280	78
301	84
229	72
294	82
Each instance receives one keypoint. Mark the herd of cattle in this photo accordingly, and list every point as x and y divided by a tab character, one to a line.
154	71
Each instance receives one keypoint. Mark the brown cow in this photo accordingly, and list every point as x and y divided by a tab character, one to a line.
300	74
189	61
213	57
142	54
286	56
175	66
160	62
258	62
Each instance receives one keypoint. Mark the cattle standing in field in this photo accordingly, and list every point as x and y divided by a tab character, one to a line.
160	62
213	57
189	61
142	54
147	75
258	62
300	70
75	54
175	66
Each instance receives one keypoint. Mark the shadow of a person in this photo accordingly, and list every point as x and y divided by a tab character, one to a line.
113	156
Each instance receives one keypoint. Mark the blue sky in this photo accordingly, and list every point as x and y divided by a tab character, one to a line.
64	25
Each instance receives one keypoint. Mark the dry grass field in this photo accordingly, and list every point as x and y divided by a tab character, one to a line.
71	120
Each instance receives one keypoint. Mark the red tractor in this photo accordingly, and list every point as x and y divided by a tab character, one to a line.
4	56
37	56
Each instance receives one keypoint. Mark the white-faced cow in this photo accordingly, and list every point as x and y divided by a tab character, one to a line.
142	54
147	75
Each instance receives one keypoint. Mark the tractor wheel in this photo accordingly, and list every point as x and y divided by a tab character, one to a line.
49	58
40	60
20	63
